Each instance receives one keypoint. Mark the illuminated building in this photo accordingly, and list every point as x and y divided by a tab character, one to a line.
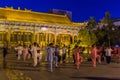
25	27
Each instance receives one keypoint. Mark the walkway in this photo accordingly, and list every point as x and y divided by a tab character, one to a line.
86	72
3	75
67	71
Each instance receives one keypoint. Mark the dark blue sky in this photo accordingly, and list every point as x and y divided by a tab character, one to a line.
81	9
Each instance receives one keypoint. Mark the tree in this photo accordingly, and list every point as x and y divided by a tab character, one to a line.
107	26
92	24
92	27
86	37
100	34
107	21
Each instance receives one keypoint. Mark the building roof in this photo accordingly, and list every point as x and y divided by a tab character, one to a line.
11	14
115	19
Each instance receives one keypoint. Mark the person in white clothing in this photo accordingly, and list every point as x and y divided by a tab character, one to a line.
108	54
34	50
25	52
19	50
39	55
50	52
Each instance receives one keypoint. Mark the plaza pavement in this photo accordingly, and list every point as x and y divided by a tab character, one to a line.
68	72
3	75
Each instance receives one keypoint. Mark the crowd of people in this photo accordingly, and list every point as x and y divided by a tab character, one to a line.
29	52
54	58
95	53
104	53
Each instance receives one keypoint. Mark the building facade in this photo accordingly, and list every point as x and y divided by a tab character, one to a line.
25	27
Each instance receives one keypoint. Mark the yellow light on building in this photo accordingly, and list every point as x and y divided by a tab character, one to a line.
26	27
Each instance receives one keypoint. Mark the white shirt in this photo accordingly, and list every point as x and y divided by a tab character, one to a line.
108	52
20	49
34	50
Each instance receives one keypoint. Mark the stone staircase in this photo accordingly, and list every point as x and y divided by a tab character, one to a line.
12	63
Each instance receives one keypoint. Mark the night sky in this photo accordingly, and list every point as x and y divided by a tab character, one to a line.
81	9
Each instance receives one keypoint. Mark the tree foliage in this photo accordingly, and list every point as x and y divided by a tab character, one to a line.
86	37
92	24
109	29
109	34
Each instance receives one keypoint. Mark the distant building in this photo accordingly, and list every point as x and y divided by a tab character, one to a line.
116	21
62	12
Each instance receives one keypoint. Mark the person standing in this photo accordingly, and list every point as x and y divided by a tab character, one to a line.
63	54
5	52
108	54
19	50
34	50
94	56
25	52
29	52
57	57
50	52
78	58
103	53
39	55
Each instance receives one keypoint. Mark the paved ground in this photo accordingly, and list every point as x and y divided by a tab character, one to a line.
64	72
3	75
68	72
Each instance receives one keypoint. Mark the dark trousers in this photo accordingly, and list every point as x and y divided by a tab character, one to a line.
63	58
108	59
74	58
59	58
103	56
4	63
